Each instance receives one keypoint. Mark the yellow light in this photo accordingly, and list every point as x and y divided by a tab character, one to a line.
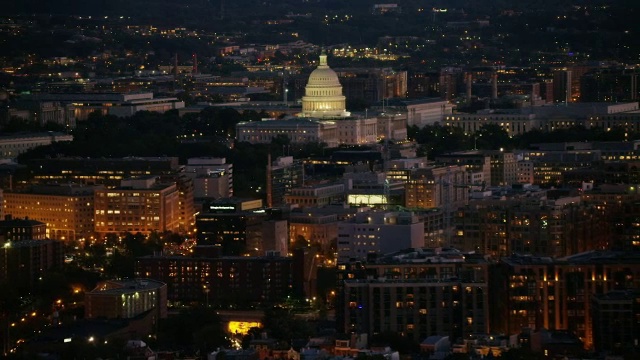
242	327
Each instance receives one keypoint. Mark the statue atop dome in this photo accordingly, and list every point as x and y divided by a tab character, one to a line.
323	94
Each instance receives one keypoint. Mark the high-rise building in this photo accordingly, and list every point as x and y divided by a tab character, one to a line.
283	174
317	227
562	86
241	228
139	205
555	294
212	177
504	168
373	85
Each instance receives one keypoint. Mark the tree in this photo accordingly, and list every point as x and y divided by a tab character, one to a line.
284	326
492	137
281	140
196	328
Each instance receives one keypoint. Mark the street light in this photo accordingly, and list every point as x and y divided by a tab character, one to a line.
206	292
475	141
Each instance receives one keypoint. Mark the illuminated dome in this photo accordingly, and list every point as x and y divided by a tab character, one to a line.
323	94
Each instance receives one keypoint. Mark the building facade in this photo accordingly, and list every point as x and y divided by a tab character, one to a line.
377	233
139	205
125	299
67	210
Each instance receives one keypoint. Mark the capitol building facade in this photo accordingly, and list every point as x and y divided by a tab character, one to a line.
324	118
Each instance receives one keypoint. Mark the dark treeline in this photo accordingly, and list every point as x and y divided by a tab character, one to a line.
437	139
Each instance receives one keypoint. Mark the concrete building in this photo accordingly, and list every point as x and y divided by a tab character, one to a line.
104	171
275	237
550	165
474	161
298	130
357	131
513	124
224	281
139	205
422	112
212	177
316	196
125	299
378	233
391	126
314	225
437	186
504	168
13	145
121	105
67	210
283	175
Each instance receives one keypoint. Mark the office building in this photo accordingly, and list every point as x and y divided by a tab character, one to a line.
283	174
239	227
121	105
13	145
104	171
212	177
221	281
67	210
437	186
316	226
316	195
371	234
504	168
141	205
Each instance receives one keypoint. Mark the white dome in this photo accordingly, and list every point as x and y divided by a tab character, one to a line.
323	76
323	94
